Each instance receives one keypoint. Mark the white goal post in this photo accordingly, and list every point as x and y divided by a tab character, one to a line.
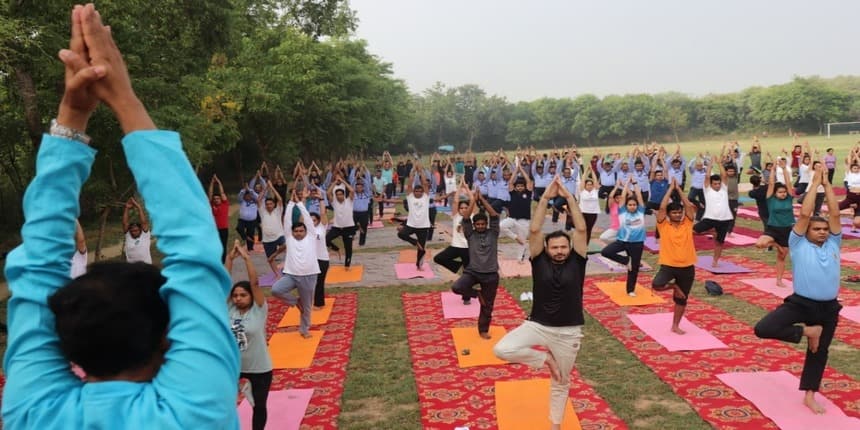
852	127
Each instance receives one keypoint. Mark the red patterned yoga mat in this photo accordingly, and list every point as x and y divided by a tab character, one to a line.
328	370
847	331
692	374
451	396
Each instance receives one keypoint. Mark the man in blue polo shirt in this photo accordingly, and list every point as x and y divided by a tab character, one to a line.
814	244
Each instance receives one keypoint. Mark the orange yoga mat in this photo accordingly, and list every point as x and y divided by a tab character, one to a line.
318	317
339	274
411	255
291	351
479	351
617	291
525	405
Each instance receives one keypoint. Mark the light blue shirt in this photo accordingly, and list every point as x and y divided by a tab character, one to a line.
631	225
196	385
815	268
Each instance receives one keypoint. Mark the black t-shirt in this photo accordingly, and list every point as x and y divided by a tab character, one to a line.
469	171
520	206
760	195
558	290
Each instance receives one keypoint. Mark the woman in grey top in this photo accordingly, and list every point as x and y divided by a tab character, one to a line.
248	311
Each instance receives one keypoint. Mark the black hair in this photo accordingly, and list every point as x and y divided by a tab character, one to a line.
555	234
463	202
674	206
111	319
314	215
418	187
716	178
245	285
269	199
135	224
817	219
480	217
297	225
730	166
519	181
828	149
755	180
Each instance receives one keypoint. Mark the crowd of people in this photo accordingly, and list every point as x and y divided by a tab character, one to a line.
62	311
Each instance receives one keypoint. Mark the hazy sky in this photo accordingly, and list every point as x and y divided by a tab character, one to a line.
527	49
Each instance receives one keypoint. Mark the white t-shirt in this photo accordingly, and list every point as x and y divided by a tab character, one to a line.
301	258
458	239
717	204
780	175
419	212
853	179
138	249
342	213
588	202
450	184
322	251
79	264
805	174
271	223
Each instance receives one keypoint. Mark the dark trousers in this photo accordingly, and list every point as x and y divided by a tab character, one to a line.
431	213
222	234
361	219
347	233
590	220
780	324
319	290
830	173
390	189
453	258
246	231
420	238
634	257
487	296
733	206
402	181
697	197
603	193
381	207
260	384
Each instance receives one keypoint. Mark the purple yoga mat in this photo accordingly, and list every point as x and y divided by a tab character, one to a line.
267	280
724	266
776	395
658	326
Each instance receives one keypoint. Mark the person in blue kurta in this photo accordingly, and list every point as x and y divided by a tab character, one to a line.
156	346
814	244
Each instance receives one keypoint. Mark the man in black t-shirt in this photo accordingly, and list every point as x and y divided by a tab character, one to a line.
516	225
555	323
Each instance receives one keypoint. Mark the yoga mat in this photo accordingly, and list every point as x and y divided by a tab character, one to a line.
768	285
724	266
595	246
775	394
286	409
617	291
453	307
851	312
751	213
291	351
515	268
339	274
318	316
411	256
740	239
266	280
524	404
480	350
848	231
376	224
853	257
658	326
409	271
652	244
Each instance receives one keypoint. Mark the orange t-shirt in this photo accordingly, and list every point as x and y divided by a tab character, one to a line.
676	243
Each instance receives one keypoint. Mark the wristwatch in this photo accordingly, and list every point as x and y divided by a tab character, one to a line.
68	133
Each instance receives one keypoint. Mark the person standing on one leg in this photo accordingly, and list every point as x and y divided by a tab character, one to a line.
717	215
343	225
631	235
220	211
362	211
780	209
516	225
814	244
483	237
271	213
300	265
589	203
556	318
247	224
319	231
677	251
456	255
418	218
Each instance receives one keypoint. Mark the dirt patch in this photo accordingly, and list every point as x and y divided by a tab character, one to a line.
676	407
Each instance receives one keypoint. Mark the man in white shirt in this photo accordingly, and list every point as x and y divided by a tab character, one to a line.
271	216
343	225
137	237
418	220
300	265
456	255
718	215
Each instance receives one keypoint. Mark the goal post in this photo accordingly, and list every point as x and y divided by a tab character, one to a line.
851	127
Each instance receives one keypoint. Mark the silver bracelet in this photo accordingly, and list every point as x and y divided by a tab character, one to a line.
68	133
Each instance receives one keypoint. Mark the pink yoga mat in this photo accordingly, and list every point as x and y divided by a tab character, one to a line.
409	271
748	212
453	307
515	268
376	224
658	327
768	285
851	312
776	395
724	266
286	409
853	257
740	239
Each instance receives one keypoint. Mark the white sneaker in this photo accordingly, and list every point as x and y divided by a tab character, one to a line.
632	294
524	296
531	295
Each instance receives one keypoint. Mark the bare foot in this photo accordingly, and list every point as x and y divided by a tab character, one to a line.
484	335
715	263
813	336
809	401
346	268
779	283
307	335
318	308
553	367
676	329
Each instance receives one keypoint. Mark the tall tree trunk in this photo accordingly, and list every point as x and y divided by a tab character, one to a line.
27	91
101	236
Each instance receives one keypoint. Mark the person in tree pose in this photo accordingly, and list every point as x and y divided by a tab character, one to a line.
718	214
780	220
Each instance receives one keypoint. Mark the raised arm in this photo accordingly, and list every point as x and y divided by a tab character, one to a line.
771	180
536	237
579	239
661	213
833	215
256	291
125	216
808	206
489	208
